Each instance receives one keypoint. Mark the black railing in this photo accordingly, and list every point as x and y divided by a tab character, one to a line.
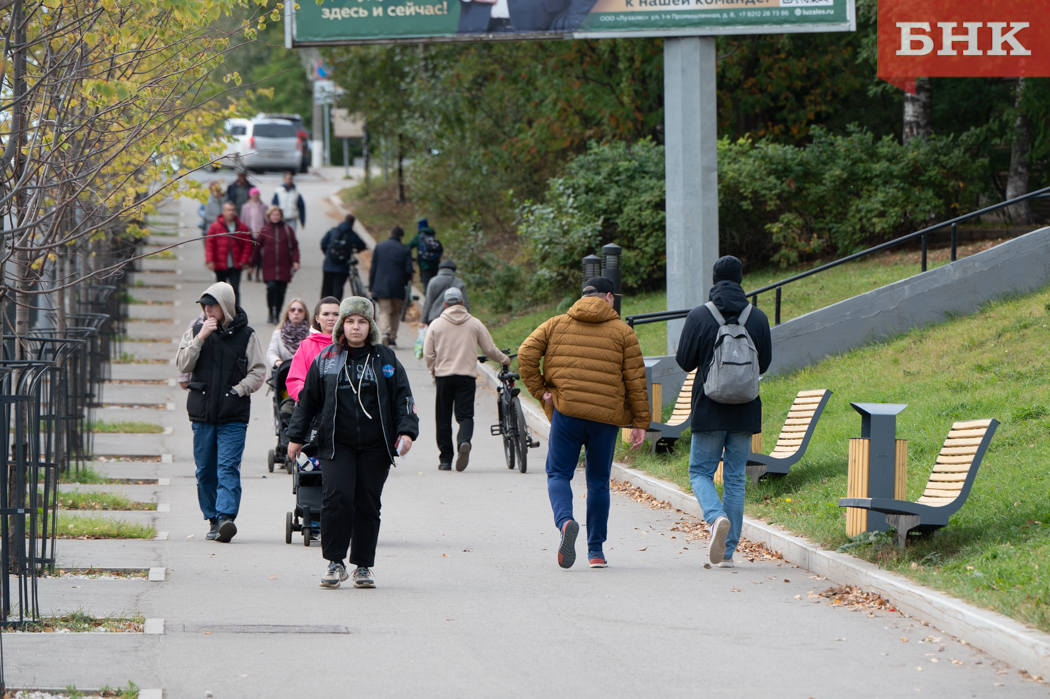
953	224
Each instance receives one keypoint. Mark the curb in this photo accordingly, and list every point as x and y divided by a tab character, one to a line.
996	634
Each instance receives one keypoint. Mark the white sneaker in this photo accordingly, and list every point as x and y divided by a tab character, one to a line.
336	574
727	563
716	550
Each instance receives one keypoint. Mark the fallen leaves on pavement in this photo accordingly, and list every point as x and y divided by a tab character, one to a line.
692	528
852	597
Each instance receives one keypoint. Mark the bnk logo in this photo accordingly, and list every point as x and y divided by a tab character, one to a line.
962	39
1003	34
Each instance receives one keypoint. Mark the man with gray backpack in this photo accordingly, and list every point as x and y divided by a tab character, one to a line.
727	341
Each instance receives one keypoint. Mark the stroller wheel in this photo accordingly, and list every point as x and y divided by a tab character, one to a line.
270	459
289	466
288	528
307	535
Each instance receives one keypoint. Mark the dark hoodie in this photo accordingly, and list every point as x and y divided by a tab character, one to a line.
696	348
343	230
226	367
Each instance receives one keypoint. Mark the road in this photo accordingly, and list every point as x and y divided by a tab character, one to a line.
469	601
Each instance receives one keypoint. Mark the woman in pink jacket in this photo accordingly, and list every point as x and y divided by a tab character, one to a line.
326	314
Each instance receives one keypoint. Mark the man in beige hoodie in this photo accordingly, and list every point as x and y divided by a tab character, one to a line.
451	351
224	359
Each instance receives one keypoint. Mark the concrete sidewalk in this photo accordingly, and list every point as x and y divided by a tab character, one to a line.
470	601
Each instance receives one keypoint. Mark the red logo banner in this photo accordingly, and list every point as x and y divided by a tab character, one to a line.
962	39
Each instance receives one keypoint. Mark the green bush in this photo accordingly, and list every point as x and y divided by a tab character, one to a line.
780	203
613	193
838	194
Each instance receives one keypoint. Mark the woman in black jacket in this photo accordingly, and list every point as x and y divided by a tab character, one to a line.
367	417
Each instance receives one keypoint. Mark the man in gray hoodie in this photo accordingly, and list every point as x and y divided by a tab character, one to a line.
445	279
224	359
451	354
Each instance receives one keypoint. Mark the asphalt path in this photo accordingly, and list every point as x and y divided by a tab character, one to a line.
470	601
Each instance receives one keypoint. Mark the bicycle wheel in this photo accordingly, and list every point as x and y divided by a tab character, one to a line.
521	437
357	288
505	432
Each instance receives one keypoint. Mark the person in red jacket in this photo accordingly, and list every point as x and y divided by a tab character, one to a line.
278	256
228	248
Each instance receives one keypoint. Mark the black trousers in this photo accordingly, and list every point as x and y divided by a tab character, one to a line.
275	295
233	278
425	275
455	395
332	284
351	487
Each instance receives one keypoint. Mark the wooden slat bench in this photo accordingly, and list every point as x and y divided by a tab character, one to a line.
948	487
794	437
670	431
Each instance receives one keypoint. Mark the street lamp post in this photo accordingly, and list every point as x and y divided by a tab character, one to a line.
611	270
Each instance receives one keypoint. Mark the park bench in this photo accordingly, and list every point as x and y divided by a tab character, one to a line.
670	431
794	437
948	487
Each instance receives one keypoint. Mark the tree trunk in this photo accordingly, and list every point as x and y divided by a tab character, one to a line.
918	111
400	171
368	160
1020	163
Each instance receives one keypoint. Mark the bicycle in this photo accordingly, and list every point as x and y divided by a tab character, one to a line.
517	440
357	287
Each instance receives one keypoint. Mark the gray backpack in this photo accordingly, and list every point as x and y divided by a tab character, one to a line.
732	378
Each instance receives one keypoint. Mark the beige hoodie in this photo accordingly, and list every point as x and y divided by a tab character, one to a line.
451	347
190	346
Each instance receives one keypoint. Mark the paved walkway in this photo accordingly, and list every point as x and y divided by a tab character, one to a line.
470	601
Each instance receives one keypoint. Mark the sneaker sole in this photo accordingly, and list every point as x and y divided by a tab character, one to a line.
463	457
365	586
227	531
567	550
330	586
599	565
717	548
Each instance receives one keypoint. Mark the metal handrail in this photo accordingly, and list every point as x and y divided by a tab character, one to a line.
662	316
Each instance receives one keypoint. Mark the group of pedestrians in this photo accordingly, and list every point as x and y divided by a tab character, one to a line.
355	408
244	234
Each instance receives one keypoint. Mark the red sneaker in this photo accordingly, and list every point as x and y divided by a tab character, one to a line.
597	560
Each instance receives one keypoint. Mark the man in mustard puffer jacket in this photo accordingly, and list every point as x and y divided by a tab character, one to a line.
593	382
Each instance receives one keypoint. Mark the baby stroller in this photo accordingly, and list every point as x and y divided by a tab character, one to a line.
283	406
306	484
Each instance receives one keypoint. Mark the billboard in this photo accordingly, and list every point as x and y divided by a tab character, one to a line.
388	21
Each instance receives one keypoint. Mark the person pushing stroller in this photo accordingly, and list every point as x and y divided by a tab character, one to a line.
362	393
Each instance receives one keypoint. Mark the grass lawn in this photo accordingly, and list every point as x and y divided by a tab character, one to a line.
126	427
100	527
81	622
996	551
79	500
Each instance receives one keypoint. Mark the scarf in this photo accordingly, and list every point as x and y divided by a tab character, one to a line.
292	335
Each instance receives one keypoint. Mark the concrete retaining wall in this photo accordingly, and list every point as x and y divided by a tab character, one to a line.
1018	266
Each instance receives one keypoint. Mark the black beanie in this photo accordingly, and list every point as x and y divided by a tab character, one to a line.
728	268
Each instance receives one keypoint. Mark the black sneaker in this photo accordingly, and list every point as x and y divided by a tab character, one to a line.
226	531
363	577
214	531
567	549
444	467
335	575
463	457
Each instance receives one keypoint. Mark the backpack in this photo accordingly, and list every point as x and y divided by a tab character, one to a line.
732	377
430	248
340	250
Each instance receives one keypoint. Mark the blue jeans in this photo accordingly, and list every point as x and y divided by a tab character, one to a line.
732	449
567	435
217	449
